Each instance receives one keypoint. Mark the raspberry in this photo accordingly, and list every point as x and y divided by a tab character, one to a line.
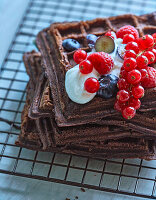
128	38
128	112
102	62
144	74
133	102
146	41
127	29
79	56
132	46
122	84
134	76
138	91
111	34
123	74
142	61
123	96
119	106
91	85
150	80
129	64
129	54
86	67
150	56
154	37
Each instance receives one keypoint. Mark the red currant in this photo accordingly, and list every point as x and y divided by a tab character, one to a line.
123	74
91	85
128	112
136	103
122	84
123	96
144	74
134	76
129	64
128	38
133	46
138	91
86	67
150	56
119	106
142	61
146	41
154	52
154	37
129	53
79	56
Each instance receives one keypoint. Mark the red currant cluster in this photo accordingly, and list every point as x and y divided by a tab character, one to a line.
135	74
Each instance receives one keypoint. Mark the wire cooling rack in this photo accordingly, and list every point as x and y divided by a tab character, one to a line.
130	177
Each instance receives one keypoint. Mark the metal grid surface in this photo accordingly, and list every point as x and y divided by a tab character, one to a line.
132	177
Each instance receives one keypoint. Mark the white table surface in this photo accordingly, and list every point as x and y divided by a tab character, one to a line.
17	188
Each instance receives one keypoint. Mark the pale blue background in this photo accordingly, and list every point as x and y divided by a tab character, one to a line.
17	188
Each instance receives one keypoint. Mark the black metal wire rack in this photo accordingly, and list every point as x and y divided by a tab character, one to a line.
130	177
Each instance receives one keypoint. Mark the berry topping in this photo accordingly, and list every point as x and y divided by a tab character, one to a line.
133	102
142	61
119	106
150	80
129	54
86	67
102	62
70	44
134	76
108	87
138	91
91	85
127	29
91	39
111	34
150	56
128	38
79	56
121	50
128	112
122	84
129	64
146	41
133	46
105	44
123	96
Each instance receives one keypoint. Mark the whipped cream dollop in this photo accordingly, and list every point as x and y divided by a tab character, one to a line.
74	79
74	84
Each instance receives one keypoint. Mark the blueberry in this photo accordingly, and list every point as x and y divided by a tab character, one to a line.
91	39
108	86
71	44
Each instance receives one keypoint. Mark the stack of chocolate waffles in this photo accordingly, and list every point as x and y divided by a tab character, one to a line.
52	122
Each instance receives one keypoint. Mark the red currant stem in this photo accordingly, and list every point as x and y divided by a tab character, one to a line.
145	50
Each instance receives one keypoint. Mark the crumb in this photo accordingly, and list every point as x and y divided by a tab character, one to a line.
76	197
83	190
67	199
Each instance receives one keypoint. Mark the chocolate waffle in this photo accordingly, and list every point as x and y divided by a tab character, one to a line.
82	133
57	61
143	123
124	148
42	104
